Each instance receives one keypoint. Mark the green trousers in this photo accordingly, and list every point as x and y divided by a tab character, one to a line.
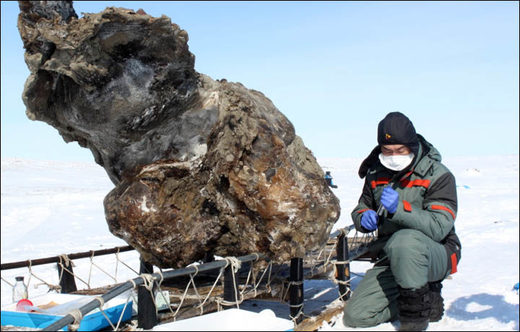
414	260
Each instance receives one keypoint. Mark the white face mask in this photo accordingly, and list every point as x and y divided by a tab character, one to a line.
396	162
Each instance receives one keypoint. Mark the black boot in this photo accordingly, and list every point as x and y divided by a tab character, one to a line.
437	301
414	308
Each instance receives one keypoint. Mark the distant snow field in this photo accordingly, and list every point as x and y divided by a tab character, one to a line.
51	208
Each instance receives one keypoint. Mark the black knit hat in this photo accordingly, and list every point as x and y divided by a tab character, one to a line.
396	128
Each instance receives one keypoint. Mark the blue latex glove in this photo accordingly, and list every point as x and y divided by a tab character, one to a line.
369	220
390	199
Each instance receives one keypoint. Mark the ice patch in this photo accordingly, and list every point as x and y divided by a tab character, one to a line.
145	208
199	150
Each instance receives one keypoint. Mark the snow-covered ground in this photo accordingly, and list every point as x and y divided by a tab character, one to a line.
50	208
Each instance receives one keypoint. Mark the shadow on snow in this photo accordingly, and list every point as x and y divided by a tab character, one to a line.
495	307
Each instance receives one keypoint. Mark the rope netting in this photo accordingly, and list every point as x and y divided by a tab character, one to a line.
358	243
201	294
47	277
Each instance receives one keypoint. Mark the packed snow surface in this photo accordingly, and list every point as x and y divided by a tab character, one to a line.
51	208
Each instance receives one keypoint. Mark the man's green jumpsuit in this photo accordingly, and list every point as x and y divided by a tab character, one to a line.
416	245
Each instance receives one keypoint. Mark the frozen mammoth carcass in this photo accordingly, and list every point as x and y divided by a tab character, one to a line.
200	167
255	189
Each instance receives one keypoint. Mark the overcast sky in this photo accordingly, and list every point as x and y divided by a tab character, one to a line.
335	69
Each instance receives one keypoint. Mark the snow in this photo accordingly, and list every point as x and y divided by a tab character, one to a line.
231	320
49	208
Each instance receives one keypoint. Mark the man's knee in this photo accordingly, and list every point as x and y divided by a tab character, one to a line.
362	314
404	242
355	316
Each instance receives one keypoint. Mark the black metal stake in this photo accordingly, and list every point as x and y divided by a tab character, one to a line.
146	314
67	281
343	269
230	279
296	290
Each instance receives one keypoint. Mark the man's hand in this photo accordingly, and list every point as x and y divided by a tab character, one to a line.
390	199
369	220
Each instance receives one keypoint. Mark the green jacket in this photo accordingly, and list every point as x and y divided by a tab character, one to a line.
427	196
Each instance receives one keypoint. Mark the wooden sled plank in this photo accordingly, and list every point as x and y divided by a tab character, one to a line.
315	322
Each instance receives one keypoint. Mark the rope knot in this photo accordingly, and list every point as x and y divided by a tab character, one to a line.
64	259
101	301
147	281
78	316
234	262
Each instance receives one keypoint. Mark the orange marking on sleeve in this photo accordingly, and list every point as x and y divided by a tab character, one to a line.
440	207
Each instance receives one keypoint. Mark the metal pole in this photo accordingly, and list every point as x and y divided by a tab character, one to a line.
146	313
337	232
343	269
56	259
296	290
85	309
230	284
67	281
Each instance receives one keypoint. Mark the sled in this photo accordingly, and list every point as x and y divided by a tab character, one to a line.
50	308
